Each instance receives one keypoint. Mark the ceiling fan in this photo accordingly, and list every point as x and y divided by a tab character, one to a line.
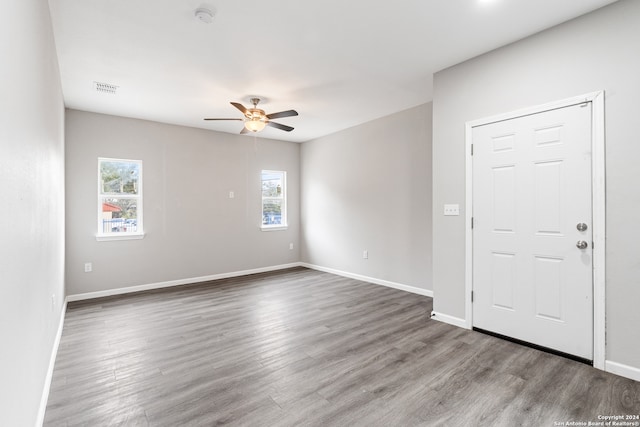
256	119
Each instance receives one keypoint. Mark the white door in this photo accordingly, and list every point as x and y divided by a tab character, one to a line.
532	279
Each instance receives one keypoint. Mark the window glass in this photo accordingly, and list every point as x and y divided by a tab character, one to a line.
119	215
119	177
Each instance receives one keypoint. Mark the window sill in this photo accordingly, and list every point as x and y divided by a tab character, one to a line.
119	236
274	228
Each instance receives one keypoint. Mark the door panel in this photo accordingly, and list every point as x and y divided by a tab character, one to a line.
531	187
503	275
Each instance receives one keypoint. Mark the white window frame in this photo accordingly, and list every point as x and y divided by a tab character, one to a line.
284	221
139	234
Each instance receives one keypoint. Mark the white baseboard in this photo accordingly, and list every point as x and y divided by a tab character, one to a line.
451	320
622	370
52	364
191	280
400	286
178	282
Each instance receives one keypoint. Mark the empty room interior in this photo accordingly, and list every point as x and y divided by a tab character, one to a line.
320	213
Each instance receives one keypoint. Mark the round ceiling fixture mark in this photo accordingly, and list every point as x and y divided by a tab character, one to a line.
205	15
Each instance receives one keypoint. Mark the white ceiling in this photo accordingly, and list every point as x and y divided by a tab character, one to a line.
339	63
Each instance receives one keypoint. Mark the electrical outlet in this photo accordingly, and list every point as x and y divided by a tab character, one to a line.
88	267
451	210
290	246
232	195
365	254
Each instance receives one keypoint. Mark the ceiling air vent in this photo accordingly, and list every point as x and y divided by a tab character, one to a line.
105	88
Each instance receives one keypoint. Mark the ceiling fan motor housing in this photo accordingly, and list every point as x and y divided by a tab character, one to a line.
256	114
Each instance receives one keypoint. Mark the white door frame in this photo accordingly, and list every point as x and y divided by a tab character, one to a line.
598	206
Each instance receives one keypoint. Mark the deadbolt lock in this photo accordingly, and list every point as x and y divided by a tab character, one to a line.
581	226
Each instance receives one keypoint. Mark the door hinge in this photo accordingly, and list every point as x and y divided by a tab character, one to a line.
472	223
472	149
471	296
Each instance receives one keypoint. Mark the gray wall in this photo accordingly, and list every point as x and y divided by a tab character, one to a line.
192	227
369	188
598	51
32	214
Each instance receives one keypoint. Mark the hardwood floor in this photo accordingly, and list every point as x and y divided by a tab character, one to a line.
301	347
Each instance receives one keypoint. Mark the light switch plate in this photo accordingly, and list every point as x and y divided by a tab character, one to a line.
451	210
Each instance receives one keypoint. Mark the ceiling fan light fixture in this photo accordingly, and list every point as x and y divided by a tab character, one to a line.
255	124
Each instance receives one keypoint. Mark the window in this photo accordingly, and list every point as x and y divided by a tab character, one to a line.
119	199
274	200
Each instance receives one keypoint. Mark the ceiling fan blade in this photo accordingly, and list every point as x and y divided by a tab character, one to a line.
223	119
239	107
288	113
279	126
244	130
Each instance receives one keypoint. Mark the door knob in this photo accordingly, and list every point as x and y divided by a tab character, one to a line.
582	244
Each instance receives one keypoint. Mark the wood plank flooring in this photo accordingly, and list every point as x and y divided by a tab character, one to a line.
305	348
